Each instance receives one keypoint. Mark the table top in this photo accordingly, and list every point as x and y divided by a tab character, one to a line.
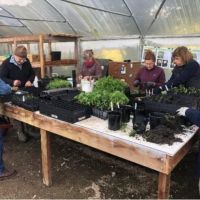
100	126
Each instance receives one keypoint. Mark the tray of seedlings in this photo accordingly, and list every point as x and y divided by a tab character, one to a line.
172	100
25	100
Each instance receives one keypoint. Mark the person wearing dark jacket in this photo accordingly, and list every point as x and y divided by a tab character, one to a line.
186	71
17	70
194	117
150	75
4	172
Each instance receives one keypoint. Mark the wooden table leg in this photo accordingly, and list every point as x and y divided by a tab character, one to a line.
46	157
163	186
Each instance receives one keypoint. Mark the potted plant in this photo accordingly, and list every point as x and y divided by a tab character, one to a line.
106	89
58	83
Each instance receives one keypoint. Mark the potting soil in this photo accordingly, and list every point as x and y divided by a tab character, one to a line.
162	135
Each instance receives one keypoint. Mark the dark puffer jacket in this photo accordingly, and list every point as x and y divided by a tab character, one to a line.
10	72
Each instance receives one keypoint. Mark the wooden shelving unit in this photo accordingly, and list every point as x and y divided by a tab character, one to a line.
41	40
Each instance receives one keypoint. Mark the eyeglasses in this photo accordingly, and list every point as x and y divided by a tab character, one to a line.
20	60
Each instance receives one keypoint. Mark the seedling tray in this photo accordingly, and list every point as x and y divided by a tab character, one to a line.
64	110
49	94
30	104
5	98
103	114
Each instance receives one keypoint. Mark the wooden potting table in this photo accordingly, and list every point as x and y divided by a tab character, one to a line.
94	133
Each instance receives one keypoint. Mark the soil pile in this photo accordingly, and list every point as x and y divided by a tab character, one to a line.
165	131
162	135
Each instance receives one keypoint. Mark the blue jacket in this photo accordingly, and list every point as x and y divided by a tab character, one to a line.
194	116
4	88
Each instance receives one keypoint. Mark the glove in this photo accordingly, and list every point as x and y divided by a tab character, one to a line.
149	85
157	90
136	83
181	111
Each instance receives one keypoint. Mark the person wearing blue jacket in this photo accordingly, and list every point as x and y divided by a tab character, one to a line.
194	117
4	173
186	71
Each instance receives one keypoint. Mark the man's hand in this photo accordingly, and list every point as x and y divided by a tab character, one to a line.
28	84
16	83
181	111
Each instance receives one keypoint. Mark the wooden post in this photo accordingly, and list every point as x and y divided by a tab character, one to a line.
163	186
76	51
50	69
42	61
15	44
28	48
46	157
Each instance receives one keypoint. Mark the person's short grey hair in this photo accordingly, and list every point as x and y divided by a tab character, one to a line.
21	51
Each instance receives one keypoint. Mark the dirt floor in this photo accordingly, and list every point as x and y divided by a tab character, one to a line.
84	173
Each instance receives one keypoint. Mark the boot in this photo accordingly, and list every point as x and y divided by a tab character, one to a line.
32	131
19	126
22	137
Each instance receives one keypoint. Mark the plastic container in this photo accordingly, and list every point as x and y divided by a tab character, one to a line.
114	120
87	86
55	55
155	119
125	112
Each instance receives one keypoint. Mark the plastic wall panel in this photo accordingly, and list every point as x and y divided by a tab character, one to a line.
116	50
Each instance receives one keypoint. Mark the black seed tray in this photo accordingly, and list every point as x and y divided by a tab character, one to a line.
67	111
30	104
102	114
160	107
5	98
54	93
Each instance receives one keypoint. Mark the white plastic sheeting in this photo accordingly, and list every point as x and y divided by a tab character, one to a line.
100	18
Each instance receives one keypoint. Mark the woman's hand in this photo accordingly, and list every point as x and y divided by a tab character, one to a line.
28	84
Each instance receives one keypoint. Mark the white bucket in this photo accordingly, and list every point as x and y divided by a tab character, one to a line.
87	86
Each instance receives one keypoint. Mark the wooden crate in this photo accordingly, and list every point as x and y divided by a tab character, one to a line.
33	57
125	71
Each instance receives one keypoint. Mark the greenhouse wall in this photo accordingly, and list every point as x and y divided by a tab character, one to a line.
116	50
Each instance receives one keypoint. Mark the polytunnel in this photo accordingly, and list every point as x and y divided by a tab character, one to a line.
141	22
102	98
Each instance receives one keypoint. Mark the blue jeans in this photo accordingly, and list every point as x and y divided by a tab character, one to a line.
1	150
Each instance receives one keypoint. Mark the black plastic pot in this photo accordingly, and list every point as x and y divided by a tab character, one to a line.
114	120
155	119
125	113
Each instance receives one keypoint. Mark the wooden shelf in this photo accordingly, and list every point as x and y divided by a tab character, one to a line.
46	38
56	63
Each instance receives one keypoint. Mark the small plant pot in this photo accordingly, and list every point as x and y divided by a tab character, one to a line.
155	119
114	120
125	113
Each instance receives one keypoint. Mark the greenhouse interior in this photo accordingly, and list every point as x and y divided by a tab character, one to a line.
99	99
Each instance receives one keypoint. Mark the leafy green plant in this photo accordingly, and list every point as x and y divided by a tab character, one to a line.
118	98
106	89
58	83
188	91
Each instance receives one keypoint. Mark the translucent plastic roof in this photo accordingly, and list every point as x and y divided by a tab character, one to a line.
100	18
